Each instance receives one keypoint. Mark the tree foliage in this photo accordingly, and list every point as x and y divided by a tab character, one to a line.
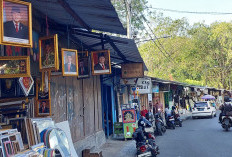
201	54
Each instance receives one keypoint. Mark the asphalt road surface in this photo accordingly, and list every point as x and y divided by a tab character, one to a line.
197	138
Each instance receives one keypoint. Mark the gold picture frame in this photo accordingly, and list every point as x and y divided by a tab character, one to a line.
42	95
101	56
13	67
69	62
50	45
84	64
19	30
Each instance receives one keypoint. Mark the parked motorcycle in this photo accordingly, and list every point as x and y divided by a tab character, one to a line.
160	128
170	122
178	121
145	142
226	122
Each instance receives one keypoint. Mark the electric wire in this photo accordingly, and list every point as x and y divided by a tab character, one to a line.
191	12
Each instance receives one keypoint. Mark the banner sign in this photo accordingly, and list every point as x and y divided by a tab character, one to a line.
155	88
132	70
143	86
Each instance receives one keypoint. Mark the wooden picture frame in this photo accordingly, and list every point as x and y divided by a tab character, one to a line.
13	67
8	88
26	84
84	64
69	62
16	30
8	149
48	53
43	108
101	56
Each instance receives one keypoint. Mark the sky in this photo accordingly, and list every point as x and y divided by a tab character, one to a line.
196	6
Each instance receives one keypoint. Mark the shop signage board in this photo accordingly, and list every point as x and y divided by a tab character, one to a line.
132	70
164	87
143	86
155	88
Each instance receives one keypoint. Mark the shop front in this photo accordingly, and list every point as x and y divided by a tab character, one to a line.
51	85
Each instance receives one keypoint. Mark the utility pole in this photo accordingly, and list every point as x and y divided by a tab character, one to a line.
128	8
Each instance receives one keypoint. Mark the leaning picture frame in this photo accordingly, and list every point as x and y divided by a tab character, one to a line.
48	53
13	67
69	62
16	23
8	148
84	64
101	62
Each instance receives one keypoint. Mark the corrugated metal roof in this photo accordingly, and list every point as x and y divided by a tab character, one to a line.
96	14
128	48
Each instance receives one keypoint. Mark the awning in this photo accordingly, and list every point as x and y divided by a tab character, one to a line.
122	50
88	14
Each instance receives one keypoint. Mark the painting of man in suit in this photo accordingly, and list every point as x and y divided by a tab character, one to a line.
101	62
43	107
83	69
14	28
70	63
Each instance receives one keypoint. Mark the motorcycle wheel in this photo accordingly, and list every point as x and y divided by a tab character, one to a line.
227	128
180	124
173	126
163	129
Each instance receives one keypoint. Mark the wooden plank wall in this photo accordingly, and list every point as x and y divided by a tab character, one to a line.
79	102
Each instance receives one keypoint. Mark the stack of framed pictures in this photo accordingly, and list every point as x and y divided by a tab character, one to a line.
10	143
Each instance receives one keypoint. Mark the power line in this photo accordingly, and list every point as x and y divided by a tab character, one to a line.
190	12
155	42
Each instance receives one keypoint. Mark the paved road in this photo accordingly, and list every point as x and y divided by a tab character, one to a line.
197	138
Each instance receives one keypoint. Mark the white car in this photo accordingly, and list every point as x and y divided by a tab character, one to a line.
203	109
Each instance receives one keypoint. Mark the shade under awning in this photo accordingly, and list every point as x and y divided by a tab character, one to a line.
89	14
122	50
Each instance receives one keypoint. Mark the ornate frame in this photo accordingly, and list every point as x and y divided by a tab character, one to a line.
27	61
29	24
92	61
56	67
63	50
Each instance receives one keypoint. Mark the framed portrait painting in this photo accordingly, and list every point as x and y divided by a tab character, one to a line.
26	84
83	64
48	53
12	67
44	107
16	23
101	62
8	88
69	62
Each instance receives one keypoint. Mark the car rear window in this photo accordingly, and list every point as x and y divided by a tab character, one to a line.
202	104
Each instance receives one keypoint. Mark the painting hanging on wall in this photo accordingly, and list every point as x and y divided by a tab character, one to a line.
8	88
69	62
12	67
16	22
44	107
83	65
48	50
101	62
26	83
